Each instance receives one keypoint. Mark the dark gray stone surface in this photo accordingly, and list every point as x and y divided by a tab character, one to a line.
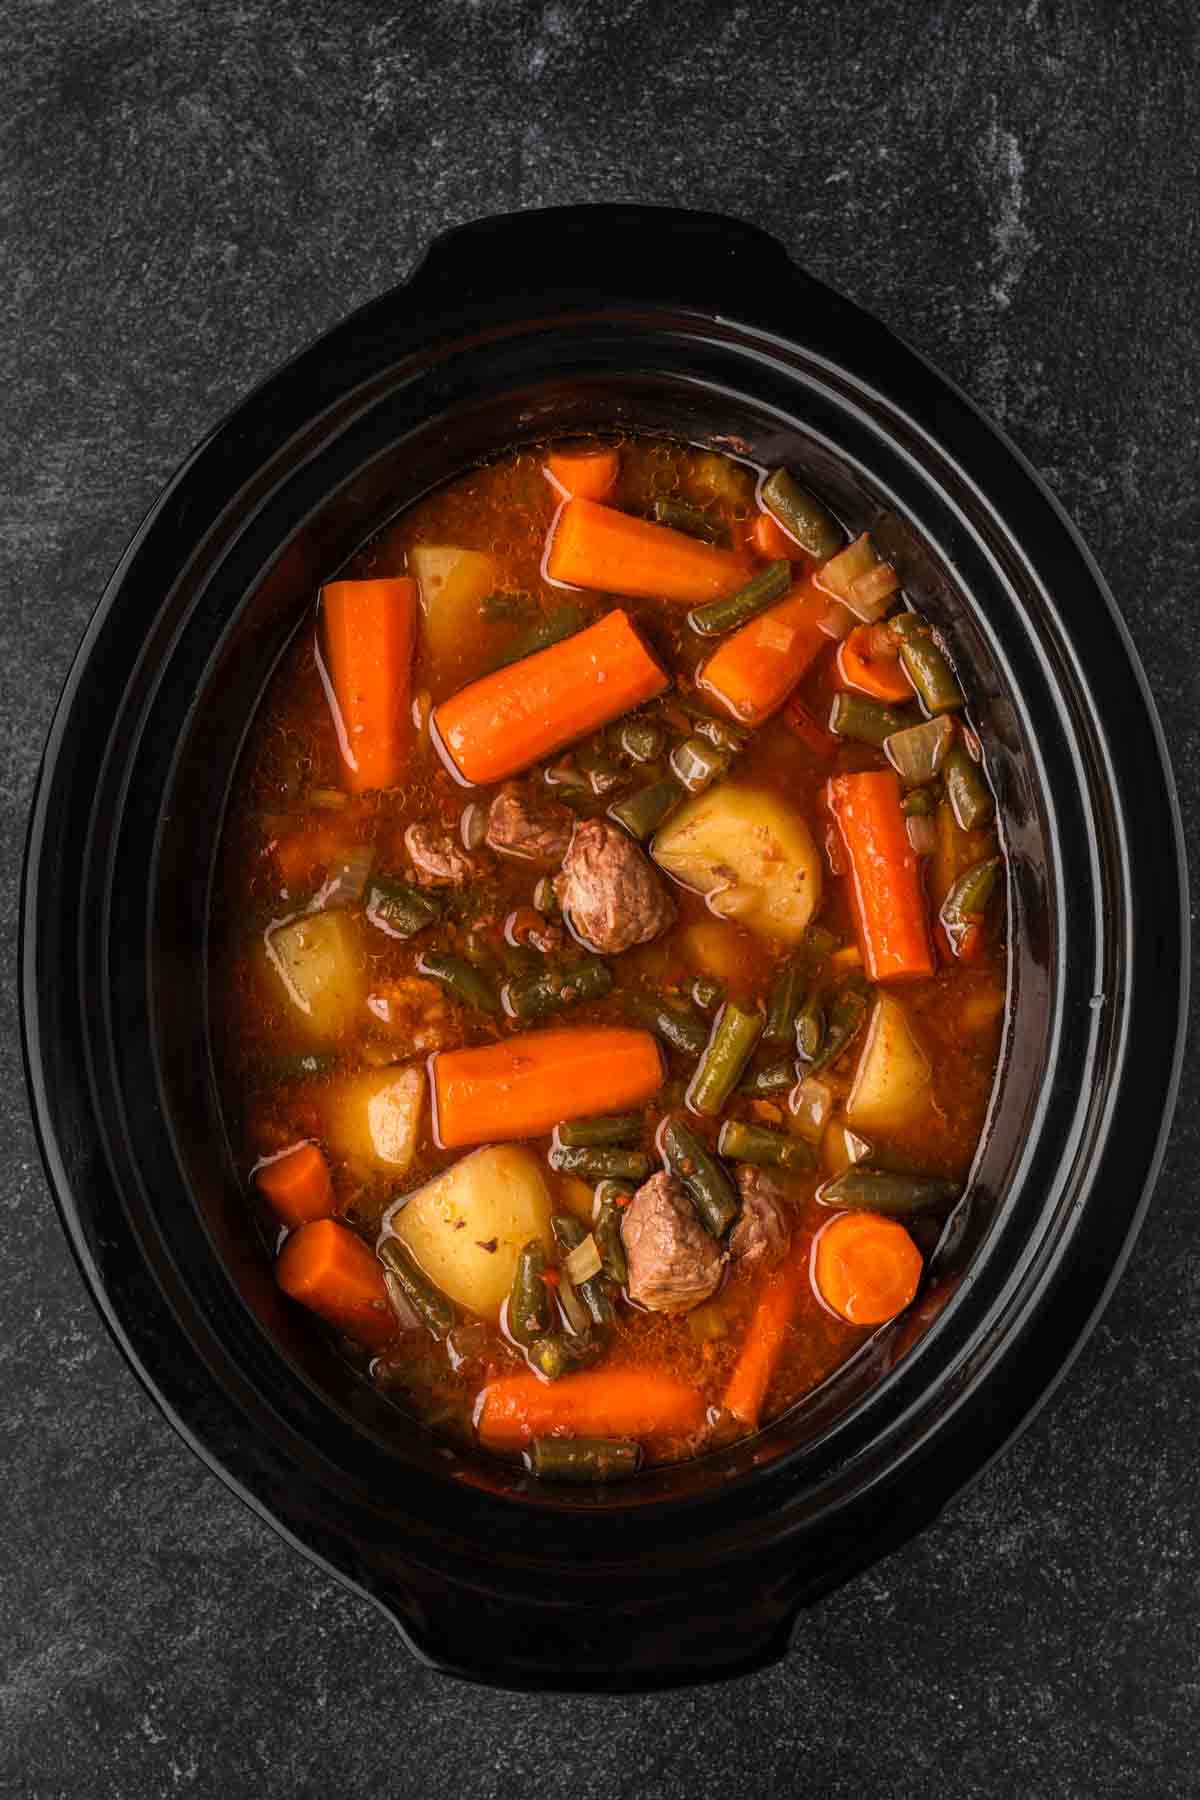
188	193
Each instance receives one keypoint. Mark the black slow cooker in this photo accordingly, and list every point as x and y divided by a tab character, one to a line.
511	328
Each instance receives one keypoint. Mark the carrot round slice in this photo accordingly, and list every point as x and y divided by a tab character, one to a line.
525	1085
623	1403
865	1268
595	546
370	629
296	1185
860	666
329	1270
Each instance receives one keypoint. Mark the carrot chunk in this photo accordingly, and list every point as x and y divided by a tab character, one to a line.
370	629
513	717
523	1086
624	1402
764	1340
885	875
584	474
296	1185
595	546
756	668
861	665
329	1270
772	542
866	1267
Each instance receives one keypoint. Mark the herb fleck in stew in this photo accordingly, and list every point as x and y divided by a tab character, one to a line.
611	961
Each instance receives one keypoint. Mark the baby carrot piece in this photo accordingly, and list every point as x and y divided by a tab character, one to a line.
597	547
763	1343
515	716
525	1085
885	875
866	1268
621	1403
296	1185
329	1270
860	665
370	628
772	542
756	668
584	474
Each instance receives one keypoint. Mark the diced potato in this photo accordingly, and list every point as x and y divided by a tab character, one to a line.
841	1148
372	1119
893	1084
467	1226
318	961
576	1197
452	583
750	853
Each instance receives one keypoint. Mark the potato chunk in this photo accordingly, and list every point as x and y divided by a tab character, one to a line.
467	1226
893	1081
318	960
750	853
372	1119
452	583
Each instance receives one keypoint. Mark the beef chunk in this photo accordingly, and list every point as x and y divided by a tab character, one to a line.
611	890
538	830
763	1232
673	1263
438	857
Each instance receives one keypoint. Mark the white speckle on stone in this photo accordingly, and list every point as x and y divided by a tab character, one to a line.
1002	172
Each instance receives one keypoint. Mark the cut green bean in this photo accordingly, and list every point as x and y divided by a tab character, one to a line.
918	752
712	1191
761	591
786	999
926	665
613	1128
967	902
550	1356
465	982
767	1149
882	1191
582	1459
600	1164
682	1027
847	1014
810	1027
690	519
707	993
642	740
696	765
736	1031
562	623
569	1233
721	732
431	1306
643	811
607	1233
528	1315
801	515
551	988
776	1077
966	790
865	721
400	910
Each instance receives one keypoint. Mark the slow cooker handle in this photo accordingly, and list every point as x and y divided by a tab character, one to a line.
600	250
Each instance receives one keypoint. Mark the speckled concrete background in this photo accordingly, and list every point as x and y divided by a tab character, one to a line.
189	193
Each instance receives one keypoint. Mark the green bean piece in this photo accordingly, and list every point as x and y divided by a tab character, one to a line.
600	1164
707	993
772	1078
528	1315
465	982
431	1306
681	517
767	1149
682	1027
847	1014
562	623
609	1242
641	739
400	910
865	721
813	527
643	811
519	606
582	1459
550	1356
967	902
918	752
613	1128
569	1233
810	1028
966	790
786	999
926	665
551	988
730	1046
919	803
712	1191
761	591
721	732
696	765
883	1191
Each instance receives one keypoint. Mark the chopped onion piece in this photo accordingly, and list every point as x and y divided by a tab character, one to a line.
857	578
918	752
583	1262
837	622
574	1311
922	833
347	883
811	1104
